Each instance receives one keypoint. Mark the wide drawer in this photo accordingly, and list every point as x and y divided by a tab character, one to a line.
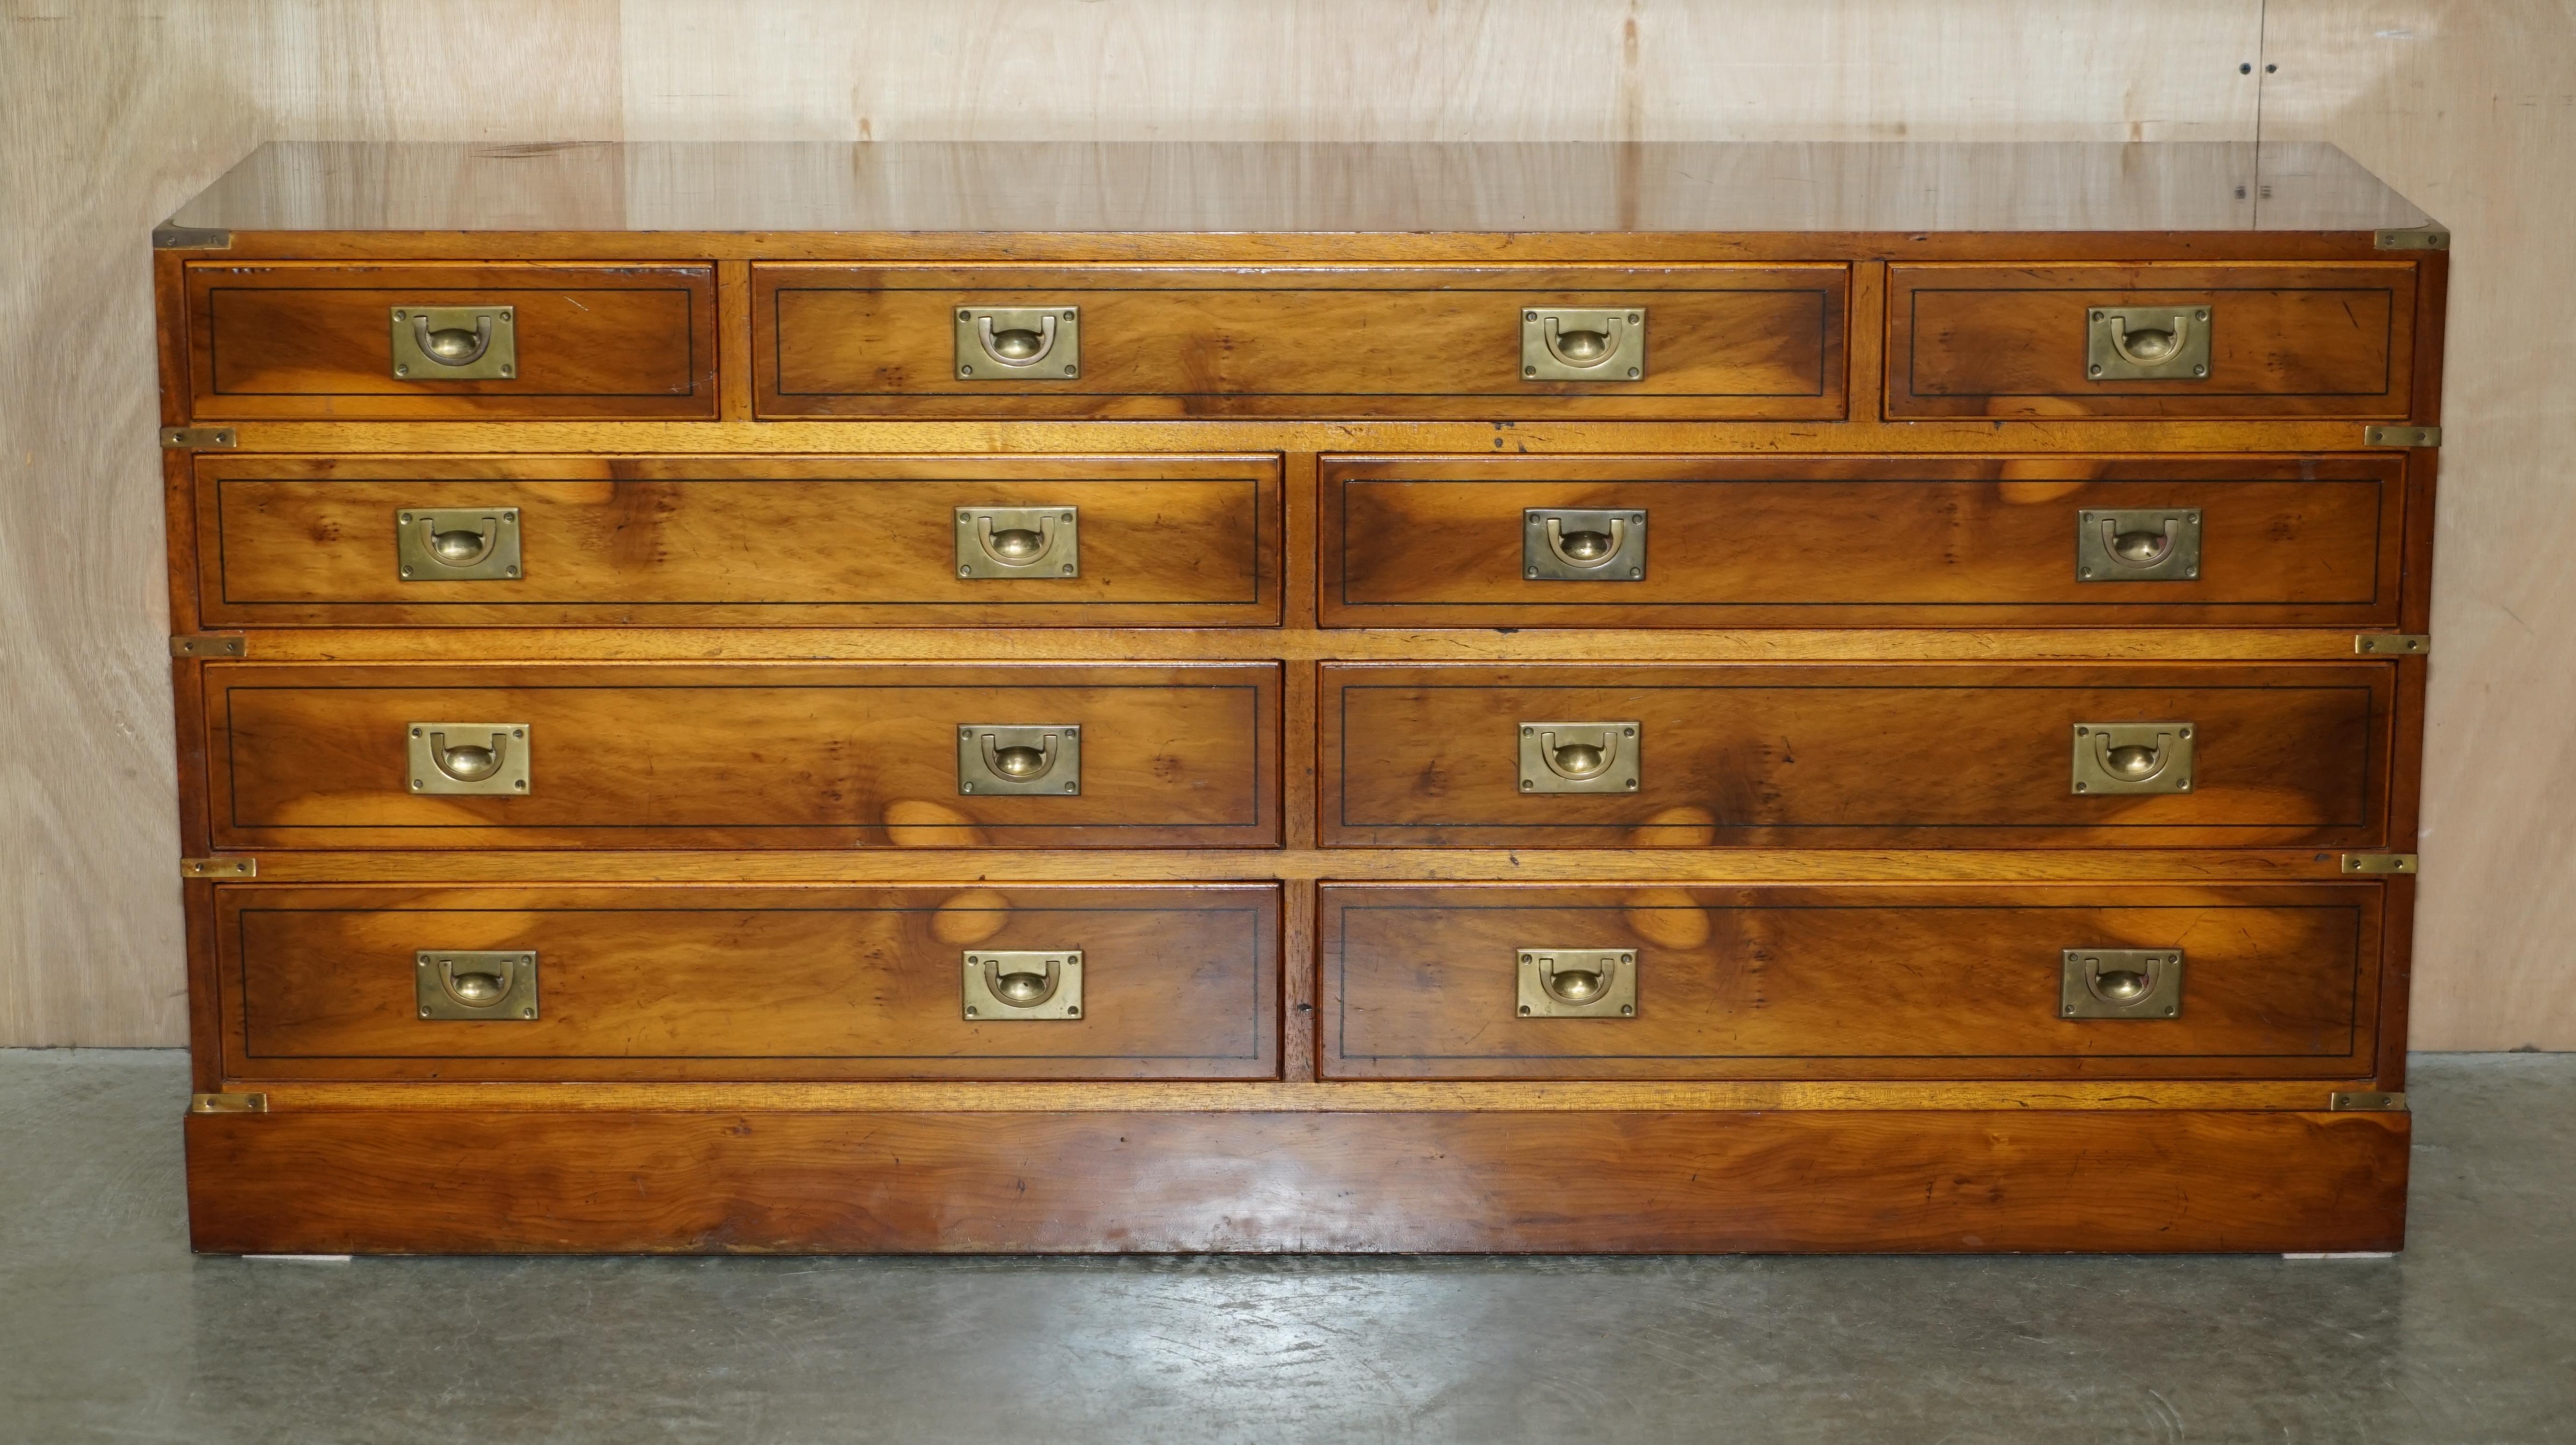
689	541
293	339
1819	541
766	756
719	982
1982	339
1181	341
1965	981
1916	755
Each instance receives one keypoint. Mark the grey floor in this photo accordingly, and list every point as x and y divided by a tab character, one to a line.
111	1331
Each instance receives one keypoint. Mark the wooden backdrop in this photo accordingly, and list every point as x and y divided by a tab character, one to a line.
114	111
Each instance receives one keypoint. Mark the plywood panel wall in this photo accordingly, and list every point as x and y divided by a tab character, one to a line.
2469	108
112	111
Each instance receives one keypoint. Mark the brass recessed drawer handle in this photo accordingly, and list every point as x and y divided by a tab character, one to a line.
476	984
455	343
1000	986
469	758
1598	983
2133	757
1580	757
1576	758
1583	544
2120	983
2156	544
1584	349
1017	542
457	544
2150	346
1563	343
1587	549
2147	343
999	758
1018	342
1016	347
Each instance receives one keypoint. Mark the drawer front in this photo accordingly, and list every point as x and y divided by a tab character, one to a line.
290	340
769	756
720	982
679	541
1945	755
1886	541
1850	982
2282	341
1178	341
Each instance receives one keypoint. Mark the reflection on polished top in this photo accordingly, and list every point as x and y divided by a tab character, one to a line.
1299	188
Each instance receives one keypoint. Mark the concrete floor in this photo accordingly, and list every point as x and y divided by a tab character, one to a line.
110	1330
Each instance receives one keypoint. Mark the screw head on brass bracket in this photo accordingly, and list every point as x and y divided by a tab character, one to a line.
2380	863
198	438
2398	644
2366	1101
210	644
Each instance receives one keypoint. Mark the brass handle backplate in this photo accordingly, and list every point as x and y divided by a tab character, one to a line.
2150	757
1022	758
2152	544
1022	542
1581	757
1018	343
1577	983
455	343
1560	343
453	984
457	544
2120	983
478	758
2146	343
1001	986
1576	544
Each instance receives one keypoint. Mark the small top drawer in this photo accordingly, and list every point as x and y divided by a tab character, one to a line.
2333	340
525	340
1182	341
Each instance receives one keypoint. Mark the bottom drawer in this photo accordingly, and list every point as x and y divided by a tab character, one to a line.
723	982
1847	981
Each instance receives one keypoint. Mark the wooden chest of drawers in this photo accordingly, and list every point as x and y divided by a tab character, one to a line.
1178	698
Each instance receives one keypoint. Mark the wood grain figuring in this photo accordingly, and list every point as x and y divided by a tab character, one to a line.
763	757
1439	541
1734	341
665	983
807	541
461	1182
1847	982
1927	755
1990	340
288	340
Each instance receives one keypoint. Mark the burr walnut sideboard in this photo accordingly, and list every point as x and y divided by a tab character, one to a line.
1235	697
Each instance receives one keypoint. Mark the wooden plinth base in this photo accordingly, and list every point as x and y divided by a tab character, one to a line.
371	1181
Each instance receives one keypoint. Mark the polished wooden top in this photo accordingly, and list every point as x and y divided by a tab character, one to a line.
1299	188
